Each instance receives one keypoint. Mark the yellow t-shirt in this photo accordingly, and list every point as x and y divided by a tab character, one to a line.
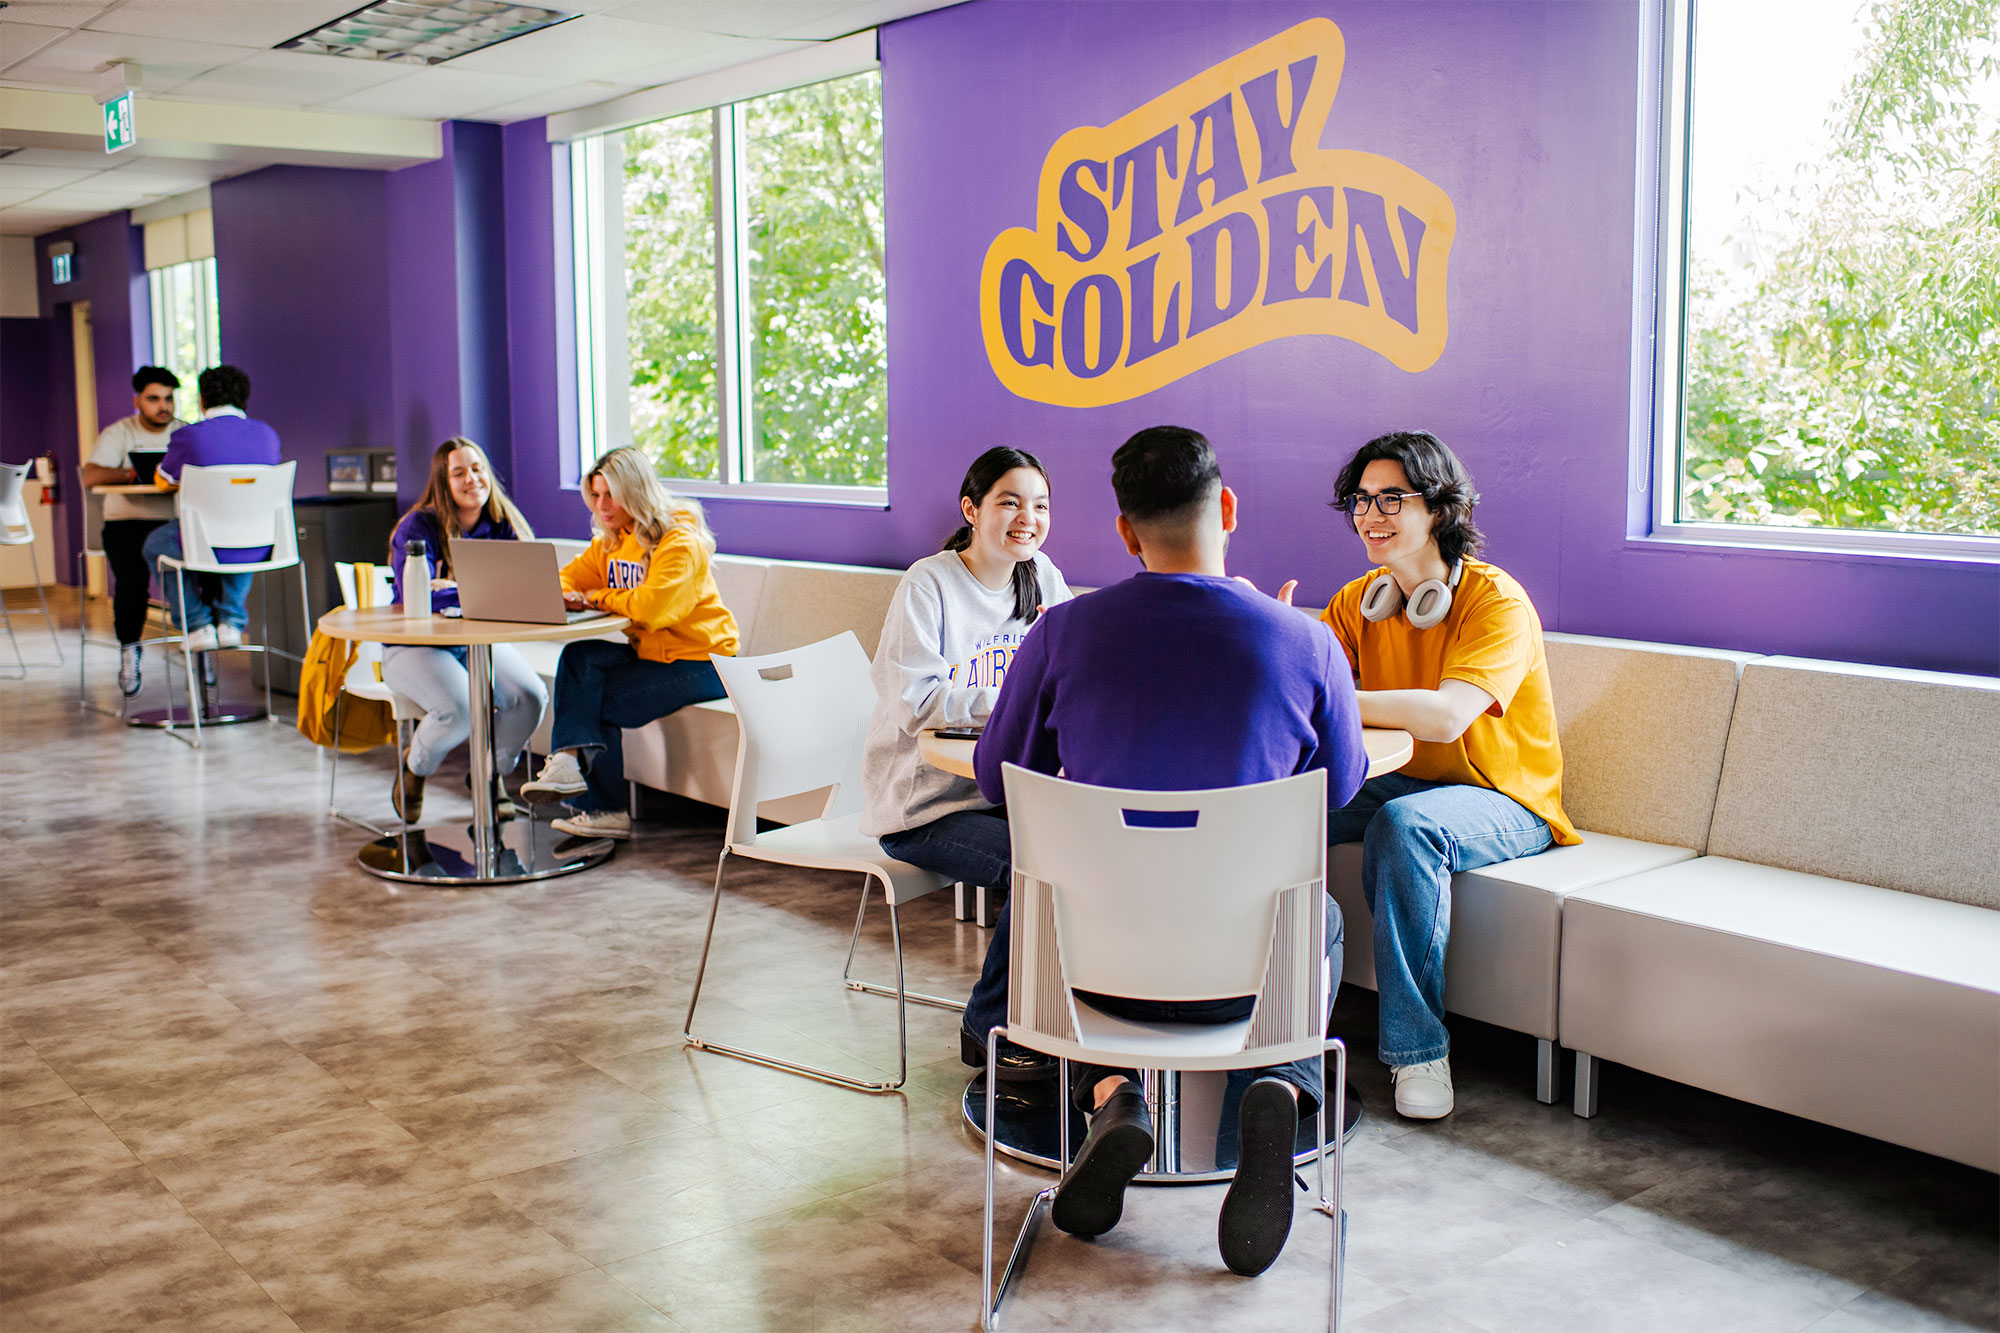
668	593
1491	638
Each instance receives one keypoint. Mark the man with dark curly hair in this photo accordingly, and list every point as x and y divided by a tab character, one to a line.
1449	649
218	605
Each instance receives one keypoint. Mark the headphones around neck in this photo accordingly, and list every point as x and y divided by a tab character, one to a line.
1429	604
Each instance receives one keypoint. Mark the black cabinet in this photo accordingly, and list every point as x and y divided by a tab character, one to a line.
331	528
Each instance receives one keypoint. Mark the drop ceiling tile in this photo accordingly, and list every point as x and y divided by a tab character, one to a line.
20	194
442	93
56	13
290	79
159	176
706	62
568	97
742	18
72	159
76	59
591	47
18	41
15	176
264	23
101	199
853	17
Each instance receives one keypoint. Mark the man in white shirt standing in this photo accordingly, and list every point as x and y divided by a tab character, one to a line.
130	519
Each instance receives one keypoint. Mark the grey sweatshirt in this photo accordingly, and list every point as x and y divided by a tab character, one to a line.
945	649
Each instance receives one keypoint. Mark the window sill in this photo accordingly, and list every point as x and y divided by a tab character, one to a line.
850	497
1821	542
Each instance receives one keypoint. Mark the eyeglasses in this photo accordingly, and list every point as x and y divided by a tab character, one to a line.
1388	502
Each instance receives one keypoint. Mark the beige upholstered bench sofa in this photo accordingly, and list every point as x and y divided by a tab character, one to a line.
1836	953
1643	728
778	604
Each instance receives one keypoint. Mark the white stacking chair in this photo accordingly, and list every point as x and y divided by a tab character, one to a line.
363	588
803	716
1229	901
16	530
231	508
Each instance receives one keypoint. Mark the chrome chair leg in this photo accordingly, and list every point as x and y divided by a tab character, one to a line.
876	988
1330	1205
989	1295
774	1062
35	568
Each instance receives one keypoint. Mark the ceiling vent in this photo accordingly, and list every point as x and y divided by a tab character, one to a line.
424	32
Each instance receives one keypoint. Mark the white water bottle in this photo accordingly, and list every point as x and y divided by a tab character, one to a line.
416	581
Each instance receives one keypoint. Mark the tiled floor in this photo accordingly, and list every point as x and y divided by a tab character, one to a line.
247	1087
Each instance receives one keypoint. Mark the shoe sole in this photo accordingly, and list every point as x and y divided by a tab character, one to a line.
1425	1113
1257	1212
1091	1198
534	789
564	826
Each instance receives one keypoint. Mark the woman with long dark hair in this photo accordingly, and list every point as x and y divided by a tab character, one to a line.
951	633
462	498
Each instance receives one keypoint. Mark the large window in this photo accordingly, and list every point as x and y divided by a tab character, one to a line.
731	318
1829	321
187	327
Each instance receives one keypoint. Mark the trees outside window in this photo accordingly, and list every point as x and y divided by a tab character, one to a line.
732	319
187	327
1841	336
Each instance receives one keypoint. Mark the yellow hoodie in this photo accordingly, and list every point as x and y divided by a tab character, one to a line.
669	596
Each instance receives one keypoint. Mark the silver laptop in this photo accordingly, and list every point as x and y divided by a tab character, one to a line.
510	580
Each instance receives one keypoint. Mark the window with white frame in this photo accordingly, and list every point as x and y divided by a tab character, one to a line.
187	314
731	317
1828	340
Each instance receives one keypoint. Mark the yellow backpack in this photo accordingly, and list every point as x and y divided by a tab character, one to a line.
362	724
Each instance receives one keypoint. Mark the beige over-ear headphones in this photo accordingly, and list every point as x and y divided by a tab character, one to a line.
1429	604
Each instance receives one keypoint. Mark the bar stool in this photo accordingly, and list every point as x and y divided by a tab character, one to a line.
233	508
16	530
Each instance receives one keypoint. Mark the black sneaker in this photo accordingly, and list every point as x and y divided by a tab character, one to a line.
1091	1197
408	794
1013	1064
1257	1211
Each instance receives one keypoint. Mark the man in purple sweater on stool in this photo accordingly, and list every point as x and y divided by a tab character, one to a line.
1178	679
215	616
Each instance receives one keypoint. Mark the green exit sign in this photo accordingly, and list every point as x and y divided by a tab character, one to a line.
119	130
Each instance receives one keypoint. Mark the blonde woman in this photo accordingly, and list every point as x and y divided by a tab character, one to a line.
462	499
650	562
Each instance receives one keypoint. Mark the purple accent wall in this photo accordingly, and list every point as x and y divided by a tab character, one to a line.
110	273
423	314
1525	114
305	299
480	239
33	408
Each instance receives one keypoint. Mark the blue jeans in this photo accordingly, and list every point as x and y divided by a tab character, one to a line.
603	688
1414	836
215	599
970	846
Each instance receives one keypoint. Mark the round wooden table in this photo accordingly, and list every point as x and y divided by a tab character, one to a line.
1186	1108
489	851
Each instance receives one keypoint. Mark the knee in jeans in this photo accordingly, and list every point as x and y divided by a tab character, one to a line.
1407	828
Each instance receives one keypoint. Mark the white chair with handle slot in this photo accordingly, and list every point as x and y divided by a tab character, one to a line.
364	587
804	716
233	508
1224	898
16	530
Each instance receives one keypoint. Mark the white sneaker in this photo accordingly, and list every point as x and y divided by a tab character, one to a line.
561	776
1423	1092
203	640
229	636
595	824
128	669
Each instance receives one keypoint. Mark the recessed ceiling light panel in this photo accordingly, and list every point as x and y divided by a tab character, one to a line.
424	32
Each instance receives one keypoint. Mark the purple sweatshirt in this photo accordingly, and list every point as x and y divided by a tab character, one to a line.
422	523
226	439
1177	682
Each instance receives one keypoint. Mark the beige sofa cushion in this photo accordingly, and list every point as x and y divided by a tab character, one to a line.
740	581
1870	774
803	602
1857	1006
1506	925
1643	727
